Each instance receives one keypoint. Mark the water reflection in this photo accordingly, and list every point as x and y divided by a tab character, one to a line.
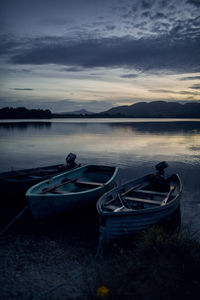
26	143
147	126
24	125
156	127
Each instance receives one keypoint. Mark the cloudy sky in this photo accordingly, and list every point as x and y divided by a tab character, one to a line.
67	55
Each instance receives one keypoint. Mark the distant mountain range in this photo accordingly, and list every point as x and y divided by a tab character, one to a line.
77	112
156	109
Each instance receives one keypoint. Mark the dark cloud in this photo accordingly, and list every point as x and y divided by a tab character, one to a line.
190	78
158	15
163	91
160	27
57	21
194	2
164	3
164	53
72	69
141	25
188	93
146	4
160	91
21	89
195	86
189	28
110	27
146	14
129	76
8	43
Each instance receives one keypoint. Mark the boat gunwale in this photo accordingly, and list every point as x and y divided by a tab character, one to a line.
133	212
67	194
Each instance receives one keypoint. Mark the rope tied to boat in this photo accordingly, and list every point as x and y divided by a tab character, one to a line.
13	220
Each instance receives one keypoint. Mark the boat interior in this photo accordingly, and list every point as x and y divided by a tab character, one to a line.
147	194
90	178
77	186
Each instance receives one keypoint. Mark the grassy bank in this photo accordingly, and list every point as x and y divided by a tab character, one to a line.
159	265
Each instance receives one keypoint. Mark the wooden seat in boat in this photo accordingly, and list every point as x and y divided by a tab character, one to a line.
93	183
148	201
151	192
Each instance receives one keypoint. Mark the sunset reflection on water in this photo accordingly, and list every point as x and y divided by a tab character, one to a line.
31	143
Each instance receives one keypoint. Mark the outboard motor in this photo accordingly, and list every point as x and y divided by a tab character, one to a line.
160	168
70	159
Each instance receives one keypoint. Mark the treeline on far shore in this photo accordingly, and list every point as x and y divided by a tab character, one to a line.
24	113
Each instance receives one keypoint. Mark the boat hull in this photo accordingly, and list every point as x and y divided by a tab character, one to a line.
115	225
47	204
14	184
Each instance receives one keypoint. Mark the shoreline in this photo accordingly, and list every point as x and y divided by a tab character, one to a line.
37	256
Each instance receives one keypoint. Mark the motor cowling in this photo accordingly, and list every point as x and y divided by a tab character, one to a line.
161	166
70	159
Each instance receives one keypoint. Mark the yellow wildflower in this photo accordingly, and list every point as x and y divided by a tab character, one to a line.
102	291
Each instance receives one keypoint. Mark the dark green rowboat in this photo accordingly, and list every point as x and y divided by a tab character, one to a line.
71	189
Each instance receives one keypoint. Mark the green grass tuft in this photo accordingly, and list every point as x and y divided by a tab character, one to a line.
159	265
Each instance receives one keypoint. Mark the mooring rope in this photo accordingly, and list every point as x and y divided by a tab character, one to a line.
13	220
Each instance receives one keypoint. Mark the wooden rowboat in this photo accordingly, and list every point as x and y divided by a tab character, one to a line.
71	189
14	184
138	204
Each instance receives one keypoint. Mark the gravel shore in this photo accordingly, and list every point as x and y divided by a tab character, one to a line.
37	255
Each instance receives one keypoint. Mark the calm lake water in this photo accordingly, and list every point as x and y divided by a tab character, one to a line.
134	145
